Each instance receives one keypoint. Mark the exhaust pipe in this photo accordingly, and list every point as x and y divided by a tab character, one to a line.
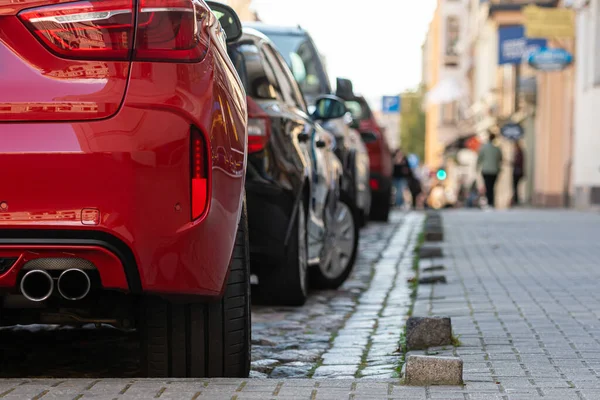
37	285
74	284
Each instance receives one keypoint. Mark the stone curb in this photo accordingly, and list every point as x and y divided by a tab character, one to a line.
423	333
430	252
428	370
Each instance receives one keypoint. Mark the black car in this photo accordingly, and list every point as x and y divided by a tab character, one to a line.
297	215
308	69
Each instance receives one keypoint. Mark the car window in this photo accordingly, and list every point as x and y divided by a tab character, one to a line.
254	72
356	109
284	74
302	60
282	83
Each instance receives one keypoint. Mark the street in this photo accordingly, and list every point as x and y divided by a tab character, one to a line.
521	293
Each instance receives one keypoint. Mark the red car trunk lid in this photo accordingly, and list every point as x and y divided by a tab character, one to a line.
63	61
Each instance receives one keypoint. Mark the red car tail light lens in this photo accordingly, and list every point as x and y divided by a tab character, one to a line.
374	183
199	174
167	30
171	30
97	30
259	127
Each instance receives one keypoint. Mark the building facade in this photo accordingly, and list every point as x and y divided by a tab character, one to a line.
444	77
586	141
504	89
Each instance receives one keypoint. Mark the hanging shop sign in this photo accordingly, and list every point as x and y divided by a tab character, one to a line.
512	131
549	60
549	22
513	46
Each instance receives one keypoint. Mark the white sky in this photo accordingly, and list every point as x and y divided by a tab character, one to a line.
375	43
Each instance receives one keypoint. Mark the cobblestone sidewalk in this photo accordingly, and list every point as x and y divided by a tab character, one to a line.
523	296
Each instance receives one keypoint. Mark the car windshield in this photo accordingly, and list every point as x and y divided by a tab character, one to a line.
299	55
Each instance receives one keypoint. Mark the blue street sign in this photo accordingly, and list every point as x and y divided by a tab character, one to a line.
550	59
391	104
513	46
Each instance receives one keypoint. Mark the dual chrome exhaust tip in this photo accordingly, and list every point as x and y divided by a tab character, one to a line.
73	284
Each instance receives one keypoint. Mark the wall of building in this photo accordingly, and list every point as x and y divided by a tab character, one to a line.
586	145
446	49
433	57
553	133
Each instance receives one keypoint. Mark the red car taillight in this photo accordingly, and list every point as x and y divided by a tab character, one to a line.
171	30
96	30
259	127
167	30
199	173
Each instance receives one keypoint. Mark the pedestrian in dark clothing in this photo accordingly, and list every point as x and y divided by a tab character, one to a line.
414	185
518	171
489	160
402	174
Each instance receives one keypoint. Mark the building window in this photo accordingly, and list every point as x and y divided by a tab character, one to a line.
452	38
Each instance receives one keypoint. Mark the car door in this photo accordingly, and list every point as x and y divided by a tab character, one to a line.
320	175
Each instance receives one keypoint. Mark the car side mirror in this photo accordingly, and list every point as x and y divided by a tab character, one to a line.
230	21
368	137
329	107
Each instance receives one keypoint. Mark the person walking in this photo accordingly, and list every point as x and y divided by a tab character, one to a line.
518	171
489	161
402	173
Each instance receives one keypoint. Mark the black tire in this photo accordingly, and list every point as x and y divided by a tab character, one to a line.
197	340
286	282
363	219
380	209
319	279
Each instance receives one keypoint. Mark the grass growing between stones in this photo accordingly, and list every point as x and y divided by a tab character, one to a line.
402	351
414	282
414	288
456	340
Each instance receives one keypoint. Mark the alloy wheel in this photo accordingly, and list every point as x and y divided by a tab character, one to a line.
342	238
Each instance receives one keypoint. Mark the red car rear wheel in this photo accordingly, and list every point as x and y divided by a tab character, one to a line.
202	340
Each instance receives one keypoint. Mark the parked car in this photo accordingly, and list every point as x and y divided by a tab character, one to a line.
380	155
308	69
297	216
122	196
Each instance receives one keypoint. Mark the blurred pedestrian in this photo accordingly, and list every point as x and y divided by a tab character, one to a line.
489	161
401	175
518	171
414	185
414	180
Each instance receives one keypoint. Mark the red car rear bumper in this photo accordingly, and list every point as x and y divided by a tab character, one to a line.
110	268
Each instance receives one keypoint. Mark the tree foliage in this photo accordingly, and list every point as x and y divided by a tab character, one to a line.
412	123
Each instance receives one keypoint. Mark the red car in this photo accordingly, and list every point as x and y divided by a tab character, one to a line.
380	155
123	149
